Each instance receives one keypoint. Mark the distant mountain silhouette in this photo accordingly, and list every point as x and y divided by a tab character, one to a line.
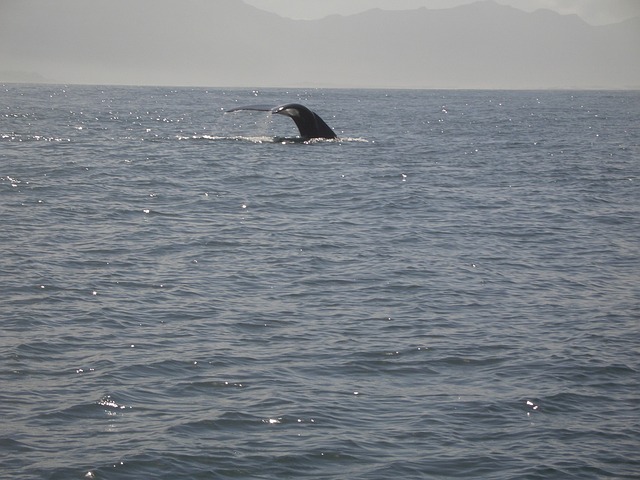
229	43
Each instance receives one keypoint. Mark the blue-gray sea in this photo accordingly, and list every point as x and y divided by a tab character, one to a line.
450	290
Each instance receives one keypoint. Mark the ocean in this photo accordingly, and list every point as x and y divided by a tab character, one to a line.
449	290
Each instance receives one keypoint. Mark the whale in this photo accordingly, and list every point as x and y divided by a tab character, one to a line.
309	123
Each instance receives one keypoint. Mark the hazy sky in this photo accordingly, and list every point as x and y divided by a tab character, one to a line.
595	12
228	43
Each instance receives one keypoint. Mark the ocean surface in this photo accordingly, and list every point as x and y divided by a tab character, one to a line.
450	290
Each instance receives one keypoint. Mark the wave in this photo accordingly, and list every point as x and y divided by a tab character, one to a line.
258	139
17	137
271	139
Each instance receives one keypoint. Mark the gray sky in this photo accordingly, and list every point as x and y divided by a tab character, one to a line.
233	43
595	12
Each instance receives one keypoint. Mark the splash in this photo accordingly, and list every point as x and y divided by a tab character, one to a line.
271	139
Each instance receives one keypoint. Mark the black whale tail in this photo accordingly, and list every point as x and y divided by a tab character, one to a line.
309	123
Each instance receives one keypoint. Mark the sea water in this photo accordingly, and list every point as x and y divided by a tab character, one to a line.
449	290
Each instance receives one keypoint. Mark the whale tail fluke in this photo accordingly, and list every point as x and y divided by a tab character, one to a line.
309	123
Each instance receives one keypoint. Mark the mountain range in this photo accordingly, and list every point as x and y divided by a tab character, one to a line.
229	43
